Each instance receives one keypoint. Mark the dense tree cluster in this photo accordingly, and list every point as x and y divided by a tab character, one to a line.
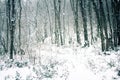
24	23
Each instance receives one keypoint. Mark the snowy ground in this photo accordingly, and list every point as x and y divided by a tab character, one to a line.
62	63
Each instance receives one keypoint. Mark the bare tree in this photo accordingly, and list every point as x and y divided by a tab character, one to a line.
103	23
58	30
12	25
82	4
116	19
99	23
19	22
74	6
90	19
48	11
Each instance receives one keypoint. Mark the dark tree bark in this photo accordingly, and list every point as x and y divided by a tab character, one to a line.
90	18
116	7
74	6
104	23
116	21
82	4
59	22
110	41
99	23
12	27
96	10
56	27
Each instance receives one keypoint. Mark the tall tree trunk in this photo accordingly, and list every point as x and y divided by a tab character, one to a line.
84	18
8	22
19	22
104	23
58	29
51	31
96	10
117	15
12	27
59	21
99	24
56	26
74	6
110	25
116	21
90	18
64	29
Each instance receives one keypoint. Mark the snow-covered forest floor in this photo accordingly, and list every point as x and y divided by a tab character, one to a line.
48	62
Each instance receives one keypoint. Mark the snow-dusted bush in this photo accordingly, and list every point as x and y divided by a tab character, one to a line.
50	69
